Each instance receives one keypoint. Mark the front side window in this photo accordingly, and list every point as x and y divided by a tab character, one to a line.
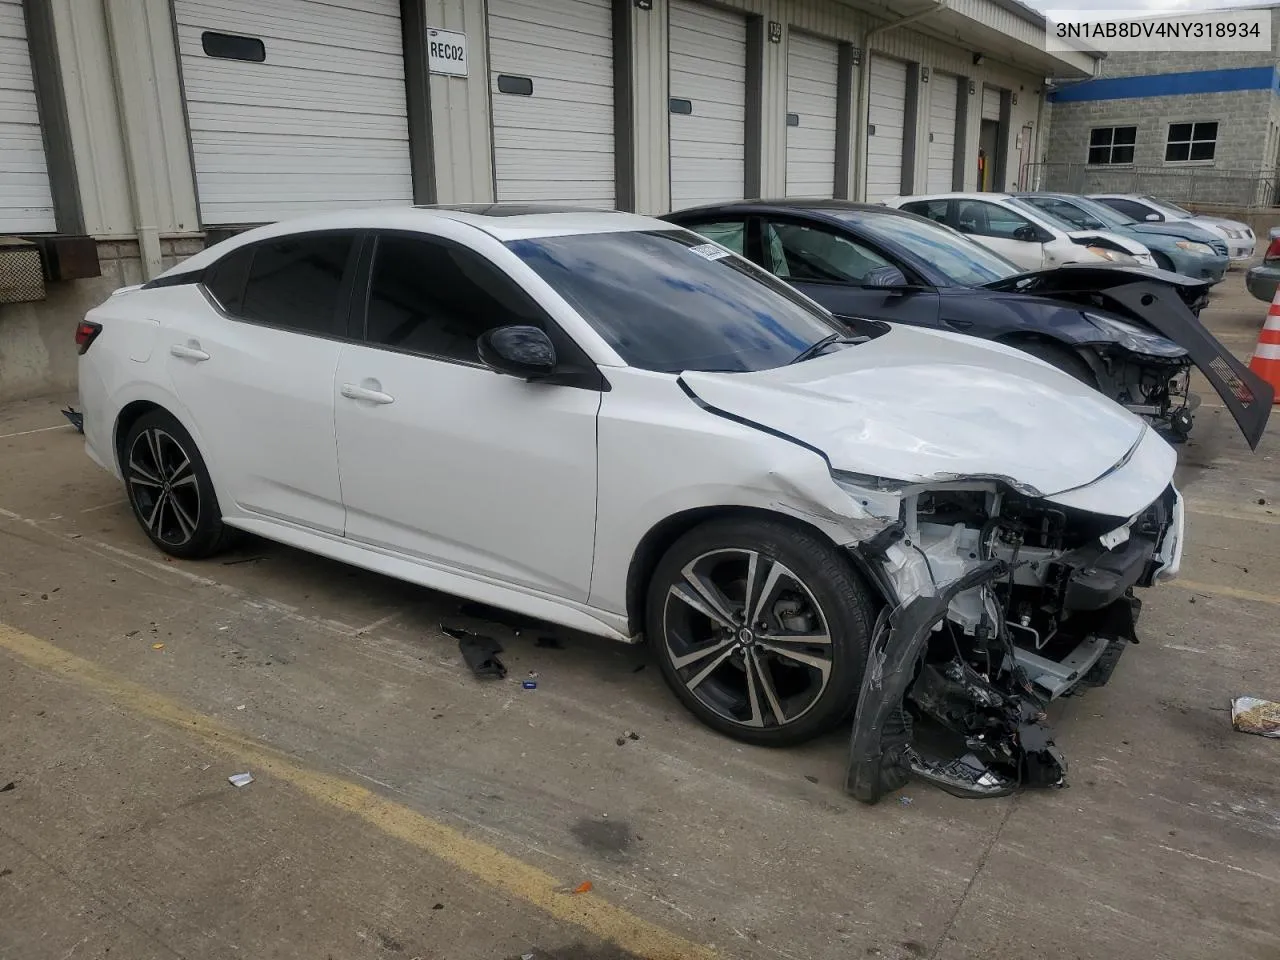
1109	145
1191	141
1131	208
294	282
437	298
990	220
668	301
812	254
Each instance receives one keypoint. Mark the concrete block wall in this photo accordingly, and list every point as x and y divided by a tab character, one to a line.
37	354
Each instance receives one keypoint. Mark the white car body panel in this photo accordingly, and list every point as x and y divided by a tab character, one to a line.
543	494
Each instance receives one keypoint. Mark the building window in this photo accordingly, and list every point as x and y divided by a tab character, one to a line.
1112	144
1191	141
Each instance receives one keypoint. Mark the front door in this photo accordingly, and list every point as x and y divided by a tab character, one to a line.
443	459
999	228
256	374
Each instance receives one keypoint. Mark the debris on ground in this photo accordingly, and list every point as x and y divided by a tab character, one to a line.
1254	715
438	906
240	779
620	741
531	681
479	652
631	735
8	786
157	646
75	418
583	887
905	801
810	778
242	706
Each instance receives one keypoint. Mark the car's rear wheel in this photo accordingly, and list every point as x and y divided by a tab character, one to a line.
169	488
761	629
1062	358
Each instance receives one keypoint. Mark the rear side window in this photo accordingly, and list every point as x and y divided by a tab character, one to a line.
935	210
1129	207
436	298
295	282
225	279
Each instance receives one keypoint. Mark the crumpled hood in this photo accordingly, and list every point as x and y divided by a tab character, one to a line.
1180	229
1128	244
923	405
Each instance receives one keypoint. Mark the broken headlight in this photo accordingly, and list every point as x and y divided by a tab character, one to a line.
1134	338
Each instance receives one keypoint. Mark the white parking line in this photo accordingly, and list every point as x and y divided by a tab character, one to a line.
27	433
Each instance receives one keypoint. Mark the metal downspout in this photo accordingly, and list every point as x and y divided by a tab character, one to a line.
864	94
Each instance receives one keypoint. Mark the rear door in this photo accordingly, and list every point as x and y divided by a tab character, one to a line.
255	370
444	460
834	269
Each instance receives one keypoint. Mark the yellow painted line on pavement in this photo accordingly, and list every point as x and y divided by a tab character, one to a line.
1213	589
491	866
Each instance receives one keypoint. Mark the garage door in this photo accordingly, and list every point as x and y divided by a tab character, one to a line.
990	103
708	72
812	77
888	104
944	91
551	68
295	106
25	201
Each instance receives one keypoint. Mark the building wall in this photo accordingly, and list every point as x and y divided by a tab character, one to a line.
118	67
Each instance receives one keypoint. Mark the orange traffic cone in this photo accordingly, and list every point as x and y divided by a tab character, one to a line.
1265	361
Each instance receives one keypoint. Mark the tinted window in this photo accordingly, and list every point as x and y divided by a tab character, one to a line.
989	220
809	253
1129	208
294	282
959	259
731	234
435	298
935	210
225	279
668	301
1068	215
1112	144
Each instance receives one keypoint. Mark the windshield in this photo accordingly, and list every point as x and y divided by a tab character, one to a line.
963	262
1166	207
669	301
1079	214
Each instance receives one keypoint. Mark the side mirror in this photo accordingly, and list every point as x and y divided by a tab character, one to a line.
885	277
519	351
1153	218
1030	234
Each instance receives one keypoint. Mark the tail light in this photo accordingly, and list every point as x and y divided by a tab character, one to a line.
86	333
1273	249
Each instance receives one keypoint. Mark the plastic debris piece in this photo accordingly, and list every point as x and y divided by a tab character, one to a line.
1255	715
905	801
157	646
75	418
529	683
240	779
8	786
583	887
241	707
479	652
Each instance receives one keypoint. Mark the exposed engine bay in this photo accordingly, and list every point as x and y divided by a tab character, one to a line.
1006	602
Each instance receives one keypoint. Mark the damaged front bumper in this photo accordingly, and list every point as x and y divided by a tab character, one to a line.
1004	602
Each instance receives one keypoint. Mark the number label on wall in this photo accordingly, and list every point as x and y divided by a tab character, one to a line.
447	52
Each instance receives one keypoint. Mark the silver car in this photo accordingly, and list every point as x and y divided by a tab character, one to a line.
1239	236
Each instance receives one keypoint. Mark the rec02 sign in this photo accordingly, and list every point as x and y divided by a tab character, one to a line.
447	52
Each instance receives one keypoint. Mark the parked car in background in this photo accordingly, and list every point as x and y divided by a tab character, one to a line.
604	421
870	263
1022	235
1179	247
1239	236
1262	279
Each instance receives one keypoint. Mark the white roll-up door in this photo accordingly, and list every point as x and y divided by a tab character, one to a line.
708	79
551	83
812	78
320	123
26	205
944	90
990	103
887	108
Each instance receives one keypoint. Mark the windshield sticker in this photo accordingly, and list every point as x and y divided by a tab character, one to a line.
709	251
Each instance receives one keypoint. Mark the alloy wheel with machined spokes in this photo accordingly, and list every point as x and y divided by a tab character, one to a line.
163	486
764	636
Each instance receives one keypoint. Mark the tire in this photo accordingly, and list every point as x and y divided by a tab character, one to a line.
1061	357
170	490
714	671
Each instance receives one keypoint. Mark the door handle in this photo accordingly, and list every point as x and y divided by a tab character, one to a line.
189	351
353	392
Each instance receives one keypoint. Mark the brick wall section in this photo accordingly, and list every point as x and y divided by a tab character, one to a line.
1245	141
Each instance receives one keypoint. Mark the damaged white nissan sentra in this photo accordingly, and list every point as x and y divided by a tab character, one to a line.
604	422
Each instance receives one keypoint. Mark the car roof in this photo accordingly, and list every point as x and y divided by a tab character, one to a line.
956	195
804	204
504	222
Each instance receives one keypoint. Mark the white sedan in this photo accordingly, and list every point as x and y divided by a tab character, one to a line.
606	422
1022	234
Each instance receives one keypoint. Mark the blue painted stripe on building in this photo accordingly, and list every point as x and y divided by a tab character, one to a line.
1170	84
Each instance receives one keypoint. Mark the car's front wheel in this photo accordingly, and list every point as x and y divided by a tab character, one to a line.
169	488
761	629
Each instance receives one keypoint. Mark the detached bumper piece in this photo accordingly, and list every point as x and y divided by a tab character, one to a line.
1006	741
